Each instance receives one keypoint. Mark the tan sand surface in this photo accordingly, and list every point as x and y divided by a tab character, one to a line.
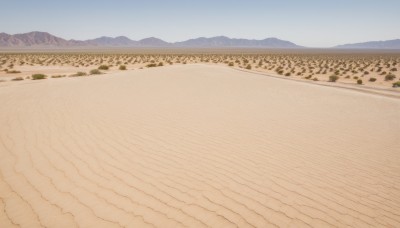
196	146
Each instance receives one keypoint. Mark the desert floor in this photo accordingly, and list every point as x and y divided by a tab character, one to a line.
196	146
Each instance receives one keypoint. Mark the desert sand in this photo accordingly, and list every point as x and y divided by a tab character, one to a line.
196	146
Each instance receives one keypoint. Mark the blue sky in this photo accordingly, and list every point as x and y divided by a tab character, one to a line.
314	23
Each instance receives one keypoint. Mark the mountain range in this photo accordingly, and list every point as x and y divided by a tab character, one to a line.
388	44
44	39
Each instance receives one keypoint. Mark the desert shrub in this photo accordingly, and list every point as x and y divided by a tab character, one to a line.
248	67
359	81
372	79
38	76
57	76
162	64
231	64
13	72
151	65
333	78
396	84
79	74
103	67
390	77
17	79
122	67
287	74
315	79
94	71
393	69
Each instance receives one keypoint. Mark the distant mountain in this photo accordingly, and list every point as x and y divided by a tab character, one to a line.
33	39
153	42
43	39
110	41
388	44
223	41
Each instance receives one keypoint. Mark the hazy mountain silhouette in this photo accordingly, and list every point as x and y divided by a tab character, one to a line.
223	41
388	44
43	39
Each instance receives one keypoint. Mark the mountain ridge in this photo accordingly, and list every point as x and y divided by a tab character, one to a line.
385	44
43	39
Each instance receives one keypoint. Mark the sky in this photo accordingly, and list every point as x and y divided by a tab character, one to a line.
311	23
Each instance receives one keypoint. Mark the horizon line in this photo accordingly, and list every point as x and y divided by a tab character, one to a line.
209	37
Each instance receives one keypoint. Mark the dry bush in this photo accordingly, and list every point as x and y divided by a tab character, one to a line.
94	71
333	78
17	79
38	76
103	67
79	74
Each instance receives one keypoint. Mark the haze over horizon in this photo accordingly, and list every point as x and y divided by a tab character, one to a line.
312	23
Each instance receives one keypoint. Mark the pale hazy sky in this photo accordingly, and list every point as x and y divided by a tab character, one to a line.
313	23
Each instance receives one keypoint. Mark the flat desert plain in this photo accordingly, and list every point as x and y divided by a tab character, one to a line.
196	146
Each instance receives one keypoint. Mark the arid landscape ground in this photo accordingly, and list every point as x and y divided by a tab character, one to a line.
199	139
374	69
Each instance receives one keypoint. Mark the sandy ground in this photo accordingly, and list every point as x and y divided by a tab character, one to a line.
196	146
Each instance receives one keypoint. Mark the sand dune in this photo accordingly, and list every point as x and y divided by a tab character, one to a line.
196	146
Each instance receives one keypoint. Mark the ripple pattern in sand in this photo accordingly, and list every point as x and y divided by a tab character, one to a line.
196	146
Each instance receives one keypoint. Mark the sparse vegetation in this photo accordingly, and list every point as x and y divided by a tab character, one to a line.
38	76
13	72
17	79
79	74
390	77
315	66
103	67
94	71
57	76
333	78
151	65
